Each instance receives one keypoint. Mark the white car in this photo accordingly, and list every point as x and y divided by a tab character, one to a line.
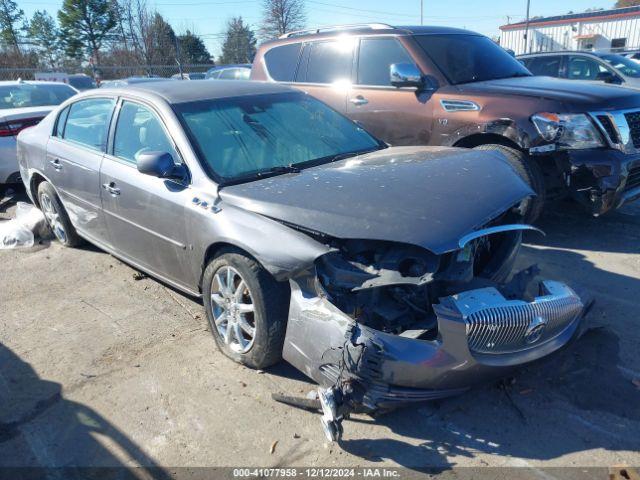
23	104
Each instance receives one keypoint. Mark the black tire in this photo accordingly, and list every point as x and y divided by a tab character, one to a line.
271	308
70	237
530	172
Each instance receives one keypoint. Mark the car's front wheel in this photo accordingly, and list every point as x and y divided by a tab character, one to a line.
527	168
247	309
56	216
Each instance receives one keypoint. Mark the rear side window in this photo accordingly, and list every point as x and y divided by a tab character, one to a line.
62	119
376	57
282	62
548	66
329	62
88	122
139	130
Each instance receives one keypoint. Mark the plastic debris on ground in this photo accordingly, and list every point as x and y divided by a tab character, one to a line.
22	230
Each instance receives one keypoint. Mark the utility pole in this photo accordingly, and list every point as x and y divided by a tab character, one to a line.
527	48
421	12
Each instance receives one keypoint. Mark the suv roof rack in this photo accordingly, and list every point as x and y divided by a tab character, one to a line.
333	28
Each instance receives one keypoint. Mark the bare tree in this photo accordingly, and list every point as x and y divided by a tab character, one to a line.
281	16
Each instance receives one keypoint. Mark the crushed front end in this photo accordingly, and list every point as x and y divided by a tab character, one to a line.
382	324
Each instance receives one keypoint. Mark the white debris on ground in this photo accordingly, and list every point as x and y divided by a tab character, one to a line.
22	230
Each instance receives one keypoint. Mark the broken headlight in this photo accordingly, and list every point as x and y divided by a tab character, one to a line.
380	284
568	131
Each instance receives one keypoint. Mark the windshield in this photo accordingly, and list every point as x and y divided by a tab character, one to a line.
470	58
242	138
32	95
626	66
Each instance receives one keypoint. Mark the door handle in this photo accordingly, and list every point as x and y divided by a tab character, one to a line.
111	188
359	100
56	164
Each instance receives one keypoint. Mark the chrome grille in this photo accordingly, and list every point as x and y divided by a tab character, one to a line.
495	324
633	120
609	128
633	179
621	128
503	329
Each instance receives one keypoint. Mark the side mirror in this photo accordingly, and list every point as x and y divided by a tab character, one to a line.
405	75
159	164
607	77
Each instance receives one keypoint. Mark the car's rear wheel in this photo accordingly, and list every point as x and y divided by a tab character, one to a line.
246	308
56	216
530	172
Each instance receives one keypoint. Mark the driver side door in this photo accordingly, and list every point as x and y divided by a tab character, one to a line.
145	215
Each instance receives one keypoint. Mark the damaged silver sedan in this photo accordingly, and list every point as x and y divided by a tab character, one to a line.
382	273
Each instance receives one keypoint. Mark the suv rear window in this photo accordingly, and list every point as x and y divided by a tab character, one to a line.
329	62
470	58
282	62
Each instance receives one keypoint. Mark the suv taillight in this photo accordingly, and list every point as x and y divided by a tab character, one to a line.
13	127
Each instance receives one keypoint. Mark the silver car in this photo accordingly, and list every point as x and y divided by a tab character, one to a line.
24	104
597	67
380	272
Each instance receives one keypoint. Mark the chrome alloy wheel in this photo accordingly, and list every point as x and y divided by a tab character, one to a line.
53	217
233	309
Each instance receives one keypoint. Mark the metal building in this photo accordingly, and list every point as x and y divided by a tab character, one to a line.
616	29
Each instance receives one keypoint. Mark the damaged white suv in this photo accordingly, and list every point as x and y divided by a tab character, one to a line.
379	272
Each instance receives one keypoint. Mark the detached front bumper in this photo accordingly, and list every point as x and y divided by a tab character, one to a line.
602	179
481	336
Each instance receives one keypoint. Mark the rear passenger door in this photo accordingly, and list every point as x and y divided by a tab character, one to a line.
325	70
399	116
145	215
74	156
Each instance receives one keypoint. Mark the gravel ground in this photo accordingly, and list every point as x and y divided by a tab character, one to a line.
99	368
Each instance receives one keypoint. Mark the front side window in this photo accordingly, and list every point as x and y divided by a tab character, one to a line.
282	62
583	68
330	62
470	58
546	65
139	130
376	57
250	136
33	95
88	122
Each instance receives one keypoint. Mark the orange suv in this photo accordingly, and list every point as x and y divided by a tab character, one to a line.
452	87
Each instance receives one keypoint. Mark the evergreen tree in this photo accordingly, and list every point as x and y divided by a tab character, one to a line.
239	44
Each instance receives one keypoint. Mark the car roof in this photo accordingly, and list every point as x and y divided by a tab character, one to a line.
31	82
369	29
598	54
182	92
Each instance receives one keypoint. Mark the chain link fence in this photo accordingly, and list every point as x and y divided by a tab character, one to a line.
108	72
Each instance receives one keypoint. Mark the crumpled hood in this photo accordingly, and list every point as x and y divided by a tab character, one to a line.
574	94
425	196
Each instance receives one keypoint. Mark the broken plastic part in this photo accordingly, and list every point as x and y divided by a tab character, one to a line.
331	420
21	231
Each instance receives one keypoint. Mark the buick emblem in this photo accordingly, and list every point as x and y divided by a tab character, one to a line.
535	330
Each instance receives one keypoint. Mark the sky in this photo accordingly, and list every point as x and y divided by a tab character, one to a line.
208	18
